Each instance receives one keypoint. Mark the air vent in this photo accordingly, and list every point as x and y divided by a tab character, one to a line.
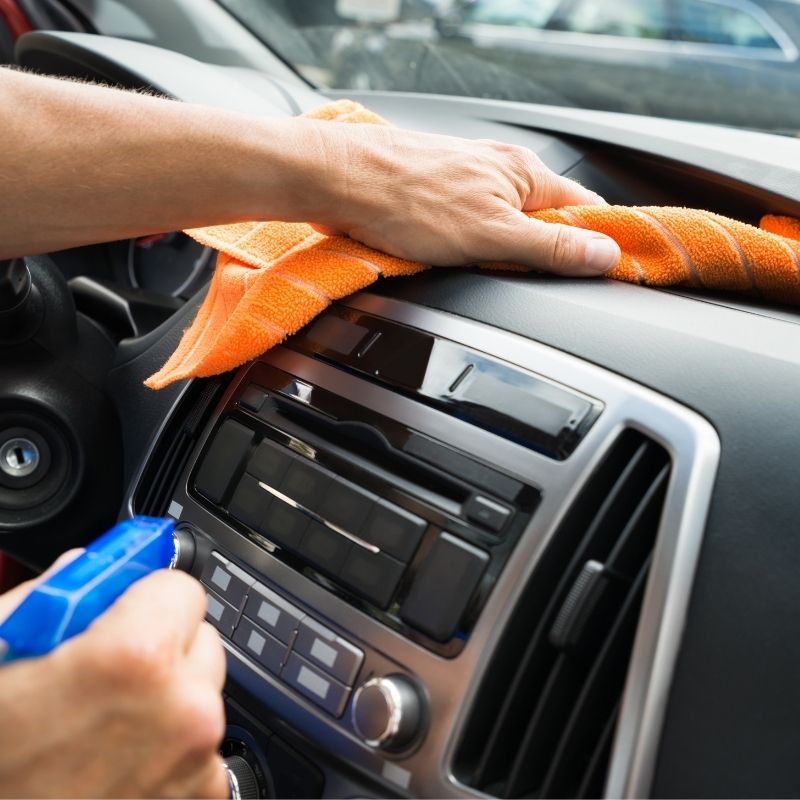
544	717
171	452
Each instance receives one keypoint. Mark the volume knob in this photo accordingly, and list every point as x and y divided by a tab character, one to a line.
387	712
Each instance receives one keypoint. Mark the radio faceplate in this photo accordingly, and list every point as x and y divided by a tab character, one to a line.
341	494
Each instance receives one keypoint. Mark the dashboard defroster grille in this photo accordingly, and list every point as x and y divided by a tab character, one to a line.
544	718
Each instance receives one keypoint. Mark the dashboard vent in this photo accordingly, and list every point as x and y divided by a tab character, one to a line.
543	721
174	446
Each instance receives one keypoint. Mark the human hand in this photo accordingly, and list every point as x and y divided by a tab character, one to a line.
448	201
130	708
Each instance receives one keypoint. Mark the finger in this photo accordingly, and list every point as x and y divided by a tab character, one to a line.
560	248
165	608
327	230
13	597
554	191
206	656
211	781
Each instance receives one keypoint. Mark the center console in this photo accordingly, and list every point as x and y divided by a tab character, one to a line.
371	503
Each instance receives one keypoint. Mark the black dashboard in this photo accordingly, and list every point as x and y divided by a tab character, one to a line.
477	534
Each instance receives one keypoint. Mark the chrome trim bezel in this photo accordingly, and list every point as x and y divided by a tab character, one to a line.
668	587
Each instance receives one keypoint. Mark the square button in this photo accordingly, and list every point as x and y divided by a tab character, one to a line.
330	652
373	576
324	548
315	684
284	524
272	613
221	615
394	530
305	483
270	463
345	506
226	580
250	502
258	644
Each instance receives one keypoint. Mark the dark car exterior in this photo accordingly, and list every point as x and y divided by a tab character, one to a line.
731	61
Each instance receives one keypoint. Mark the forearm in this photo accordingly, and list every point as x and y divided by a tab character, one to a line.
85	164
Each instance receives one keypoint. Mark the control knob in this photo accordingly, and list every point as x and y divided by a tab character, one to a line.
387	712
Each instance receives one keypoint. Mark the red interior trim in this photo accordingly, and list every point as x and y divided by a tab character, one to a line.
15	19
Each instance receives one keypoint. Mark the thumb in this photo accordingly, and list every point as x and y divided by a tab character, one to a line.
561	249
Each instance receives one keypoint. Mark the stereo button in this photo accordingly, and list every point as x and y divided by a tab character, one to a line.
223	459
250	502
324	648
227	580
444	586
393	530
270	463
374	576
221	615
305	483
325	549
315	684
272	613
258	644
345	506
284	524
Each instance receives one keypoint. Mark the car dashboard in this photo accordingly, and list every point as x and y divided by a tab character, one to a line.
477	534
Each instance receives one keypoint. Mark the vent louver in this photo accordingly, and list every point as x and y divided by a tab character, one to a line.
172	450
544	718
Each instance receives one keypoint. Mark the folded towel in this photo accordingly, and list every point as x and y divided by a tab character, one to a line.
274	277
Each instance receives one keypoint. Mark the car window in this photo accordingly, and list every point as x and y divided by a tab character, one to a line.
717	23
520	13
643	19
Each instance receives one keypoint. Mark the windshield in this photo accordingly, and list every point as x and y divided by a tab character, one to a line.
733	62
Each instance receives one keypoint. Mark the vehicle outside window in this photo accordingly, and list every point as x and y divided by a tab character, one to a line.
718	23
643	19
731	62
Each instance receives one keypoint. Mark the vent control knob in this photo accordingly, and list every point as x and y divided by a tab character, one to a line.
387	712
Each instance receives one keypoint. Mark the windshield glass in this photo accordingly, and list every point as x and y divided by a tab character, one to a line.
733	62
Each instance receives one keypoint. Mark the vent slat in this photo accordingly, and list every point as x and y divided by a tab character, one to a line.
597	698
520	700
541	737
544	717
594	778
636	541
174	446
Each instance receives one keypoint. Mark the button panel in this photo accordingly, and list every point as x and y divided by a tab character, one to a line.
311	509
280	637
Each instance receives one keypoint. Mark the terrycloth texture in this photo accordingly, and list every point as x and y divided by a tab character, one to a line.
274	277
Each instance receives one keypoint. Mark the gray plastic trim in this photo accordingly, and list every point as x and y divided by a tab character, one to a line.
451	683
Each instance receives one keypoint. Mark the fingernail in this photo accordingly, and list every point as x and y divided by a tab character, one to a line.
602	254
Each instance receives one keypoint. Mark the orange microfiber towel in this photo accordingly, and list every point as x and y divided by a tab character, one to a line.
274	277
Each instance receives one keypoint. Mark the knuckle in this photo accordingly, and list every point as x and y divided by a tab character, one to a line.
563	251
202	717
127	663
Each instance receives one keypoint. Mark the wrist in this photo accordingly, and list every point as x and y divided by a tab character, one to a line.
289	170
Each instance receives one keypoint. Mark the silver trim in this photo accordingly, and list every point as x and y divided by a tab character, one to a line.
393	702
309	513
233	782
450	684
666	599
